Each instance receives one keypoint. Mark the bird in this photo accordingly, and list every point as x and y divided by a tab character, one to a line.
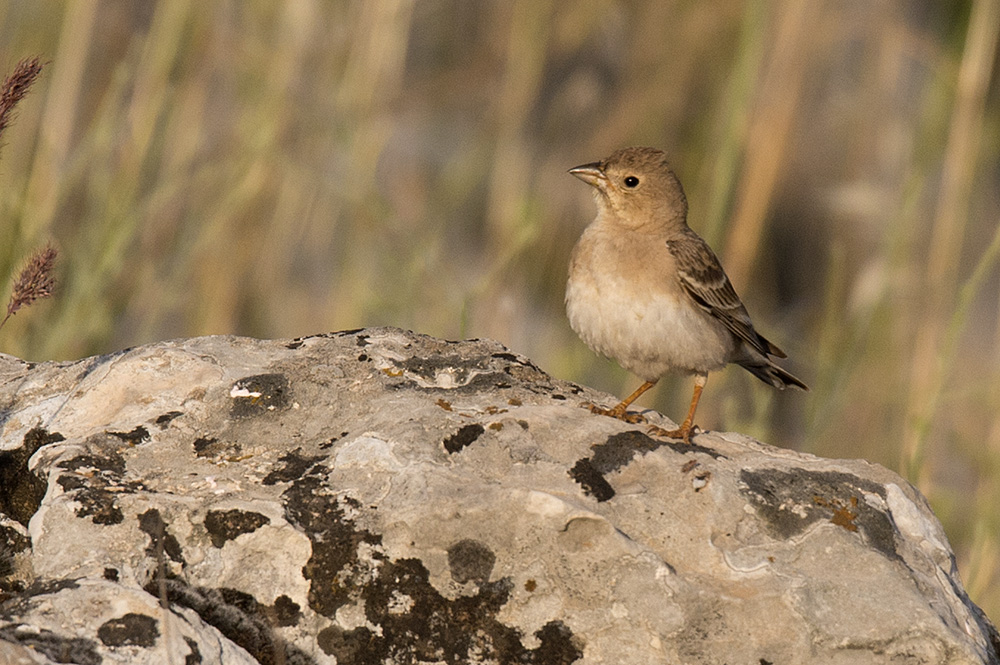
647	291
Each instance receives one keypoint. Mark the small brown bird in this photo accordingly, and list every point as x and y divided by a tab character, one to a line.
646	290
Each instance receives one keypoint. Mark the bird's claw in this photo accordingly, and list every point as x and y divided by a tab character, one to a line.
679	433
620	414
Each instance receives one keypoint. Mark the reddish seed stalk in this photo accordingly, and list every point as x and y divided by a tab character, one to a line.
34	282
15	87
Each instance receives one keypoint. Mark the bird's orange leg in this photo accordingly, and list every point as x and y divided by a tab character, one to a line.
684	431
621	411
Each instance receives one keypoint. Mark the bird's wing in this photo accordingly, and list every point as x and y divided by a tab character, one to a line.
702	277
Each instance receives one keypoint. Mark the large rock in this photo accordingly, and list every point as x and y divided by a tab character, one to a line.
378	496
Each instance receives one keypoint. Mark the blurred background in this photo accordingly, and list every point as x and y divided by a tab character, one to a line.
281	169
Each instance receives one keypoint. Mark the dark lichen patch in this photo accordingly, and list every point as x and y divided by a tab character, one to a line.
300	341
468	374
204	446
9	549
238	616
57	648
558	645
6	570
165	419
21	491
138	435
509	357
470	561
259	394
223	525
96	481
293	465
459	367
790	501
335	570
453	629
530	377
478	384
463	437
12	542
418	624
332	440
110	465
519	361
285	611
194	655
350	647
18	599
93	501
71	483
161	541
131	629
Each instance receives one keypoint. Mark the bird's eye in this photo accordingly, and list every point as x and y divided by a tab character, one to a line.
631	181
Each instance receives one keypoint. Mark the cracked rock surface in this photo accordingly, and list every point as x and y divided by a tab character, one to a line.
378	496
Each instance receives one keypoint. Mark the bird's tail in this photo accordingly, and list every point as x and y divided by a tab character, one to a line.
768	372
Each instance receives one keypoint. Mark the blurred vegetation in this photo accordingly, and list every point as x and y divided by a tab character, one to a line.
277	170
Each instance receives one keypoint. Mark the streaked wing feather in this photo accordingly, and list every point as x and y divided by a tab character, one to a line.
706	282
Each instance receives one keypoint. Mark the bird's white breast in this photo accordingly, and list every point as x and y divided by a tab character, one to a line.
649	329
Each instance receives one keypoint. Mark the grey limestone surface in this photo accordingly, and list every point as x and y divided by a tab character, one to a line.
379	496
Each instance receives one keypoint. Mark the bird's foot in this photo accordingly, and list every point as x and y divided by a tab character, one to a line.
618	412
682	433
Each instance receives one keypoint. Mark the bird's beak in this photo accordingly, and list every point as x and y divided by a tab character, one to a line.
590	173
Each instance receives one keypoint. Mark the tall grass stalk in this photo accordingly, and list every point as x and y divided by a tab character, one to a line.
949	231
944	358
770	127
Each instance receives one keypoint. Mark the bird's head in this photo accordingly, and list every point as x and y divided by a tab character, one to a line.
636	188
